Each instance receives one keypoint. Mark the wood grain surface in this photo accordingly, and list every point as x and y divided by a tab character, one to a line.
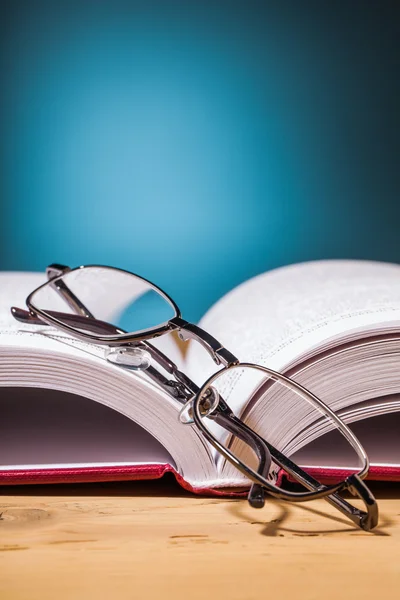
152	540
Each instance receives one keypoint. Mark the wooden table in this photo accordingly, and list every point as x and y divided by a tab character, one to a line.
153	540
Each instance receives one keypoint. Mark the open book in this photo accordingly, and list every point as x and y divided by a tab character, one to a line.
334	326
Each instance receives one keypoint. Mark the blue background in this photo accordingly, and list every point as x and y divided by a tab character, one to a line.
198	143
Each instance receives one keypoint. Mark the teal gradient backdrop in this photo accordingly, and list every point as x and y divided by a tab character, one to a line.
198	144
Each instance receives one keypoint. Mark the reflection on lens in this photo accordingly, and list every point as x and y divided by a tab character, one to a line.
122	300
286	416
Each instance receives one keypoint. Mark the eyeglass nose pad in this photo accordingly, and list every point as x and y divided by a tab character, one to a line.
134	359
208	404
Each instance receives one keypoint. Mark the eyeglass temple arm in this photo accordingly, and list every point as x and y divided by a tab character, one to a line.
52	271
367	520
95	325
55	270
235	426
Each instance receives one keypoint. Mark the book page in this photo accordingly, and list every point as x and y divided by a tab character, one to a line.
36	356
42	428
281	317
378	434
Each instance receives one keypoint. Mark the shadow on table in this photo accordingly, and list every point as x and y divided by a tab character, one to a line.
167	487
282	523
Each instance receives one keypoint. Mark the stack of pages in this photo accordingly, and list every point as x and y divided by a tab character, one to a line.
334	326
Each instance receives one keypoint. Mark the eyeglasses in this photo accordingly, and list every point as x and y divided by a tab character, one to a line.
122	311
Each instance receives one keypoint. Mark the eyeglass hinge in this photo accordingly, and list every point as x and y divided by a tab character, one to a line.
55	270
219	354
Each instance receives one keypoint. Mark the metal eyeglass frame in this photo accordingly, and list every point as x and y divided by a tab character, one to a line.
197	402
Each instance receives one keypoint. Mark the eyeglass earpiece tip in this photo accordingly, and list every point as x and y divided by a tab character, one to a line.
256	497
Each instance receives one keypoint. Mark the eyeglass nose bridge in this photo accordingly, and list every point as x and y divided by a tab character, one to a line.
219	354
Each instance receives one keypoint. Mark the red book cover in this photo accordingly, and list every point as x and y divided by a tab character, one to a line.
157	471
